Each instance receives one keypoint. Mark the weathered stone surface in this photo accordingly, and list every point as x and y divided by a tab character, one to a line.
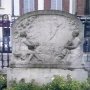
46	43
47	38
43	76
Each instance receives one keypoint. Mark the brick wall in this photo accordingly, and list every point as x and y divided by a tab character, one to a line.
21	7
65	5
81	7
36	4
47	4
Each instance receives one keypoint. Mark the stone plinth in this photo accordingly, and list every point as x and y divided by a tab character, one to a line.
43	75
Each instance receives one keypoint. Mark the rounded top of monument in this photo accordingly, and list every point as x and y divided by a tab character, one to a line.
46	12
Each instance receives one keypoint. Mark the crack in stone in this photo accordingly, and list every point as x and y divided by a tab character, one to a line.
57	28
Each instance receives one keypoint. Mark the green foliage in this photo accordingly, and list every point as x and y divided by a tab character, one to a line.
85	85
58	83
74	85
26	86
3	81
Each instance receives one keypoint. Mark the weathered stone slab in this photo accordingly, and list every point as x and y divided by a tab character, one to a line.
43	75
46	43
47	38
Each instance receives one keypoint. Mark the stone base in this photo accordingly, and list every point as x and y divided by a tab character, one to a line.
42	76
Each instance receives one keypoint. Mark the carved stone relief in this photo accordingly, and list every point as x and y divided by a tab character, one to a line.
46	37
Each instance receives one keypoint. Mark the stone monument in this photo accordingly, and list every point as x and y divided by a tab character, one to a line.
46	43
